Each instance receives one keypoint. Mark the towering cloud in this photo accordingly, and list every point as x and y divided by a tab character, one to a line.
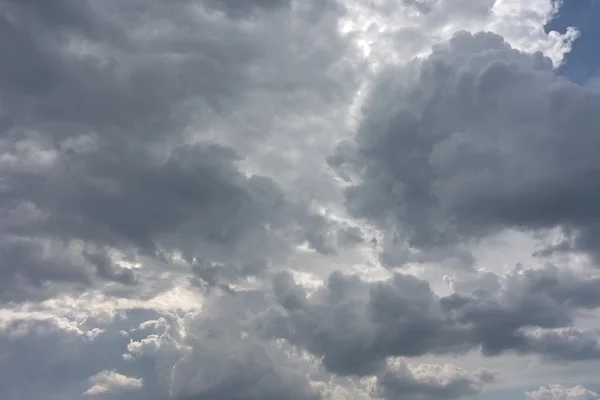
475	138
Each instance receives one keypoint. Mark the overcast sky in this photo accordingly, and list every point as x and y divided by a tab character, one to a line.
299	200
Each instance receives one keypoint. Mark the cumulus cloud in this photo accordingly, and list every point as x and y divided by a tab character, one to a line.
559	392
55	359
208	355
107	381
475	138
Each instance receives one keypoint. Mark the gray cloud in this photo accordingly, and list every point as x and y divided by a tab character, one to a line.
195	201
564	344
475	138
97	105
245	8
124	129
355	325
106	269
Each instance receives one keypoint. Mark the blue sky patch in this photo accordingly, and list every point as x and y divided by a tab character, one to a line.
582	64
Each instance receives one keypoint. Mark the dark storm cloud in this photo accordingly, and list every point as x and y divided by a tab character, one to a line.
354	325
96	100
195	201
473	139
127	196
125	83
25	269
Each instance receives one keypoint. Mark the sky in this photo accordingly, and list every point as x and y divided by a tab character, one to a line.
582	63
299	200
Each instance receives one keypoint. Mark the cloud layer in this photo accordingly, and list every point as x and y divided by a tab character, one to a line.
211	199
355	325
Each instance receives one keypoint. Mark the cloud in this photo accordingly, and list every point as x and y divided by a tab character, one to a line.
581	64
393	32
195	202
55	358
564	343
183	356
213	354
354	325
475	138
559	392
97	150
429	382
164	175
108	381
245	8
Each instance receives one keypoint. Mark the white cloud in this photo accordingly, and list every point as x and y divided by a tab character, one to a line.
108	381
559	392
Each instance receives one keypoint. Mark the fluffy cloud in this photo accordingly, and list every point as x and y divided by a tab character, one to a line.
107	381
559	392
397	32
151	356
475	138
